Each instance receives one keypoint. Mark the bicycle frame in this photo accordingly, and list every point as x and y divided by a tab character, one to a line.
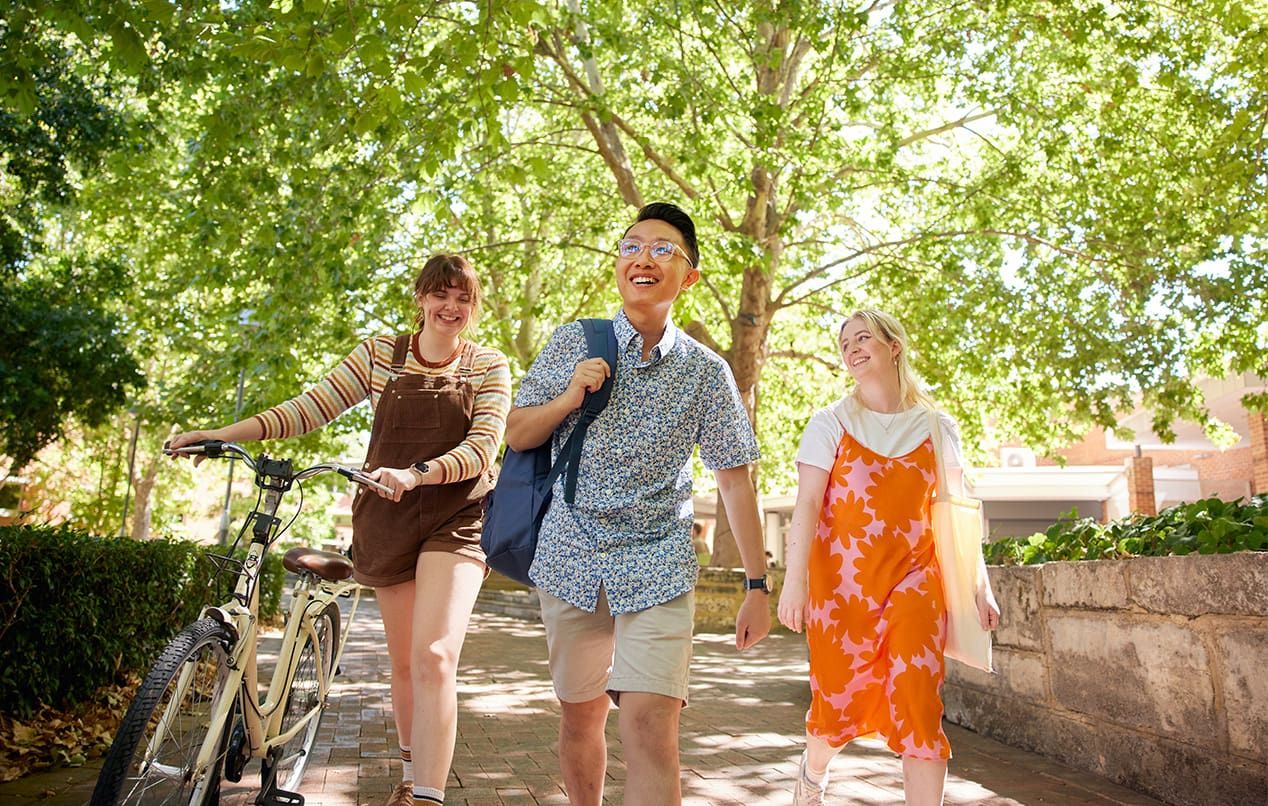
310	597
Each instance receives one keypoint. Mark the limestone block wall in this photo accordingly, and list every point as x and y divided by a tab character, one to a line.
719	593
1151	671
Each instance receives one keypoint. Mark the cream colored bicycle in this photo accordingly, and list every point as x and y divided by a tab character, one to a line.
198	718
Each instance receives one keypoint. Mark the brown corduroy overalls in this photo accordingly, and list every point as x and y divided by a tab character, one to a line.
419	417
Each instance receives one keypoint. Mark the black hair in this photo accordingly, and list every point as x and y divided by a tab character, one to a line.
676	217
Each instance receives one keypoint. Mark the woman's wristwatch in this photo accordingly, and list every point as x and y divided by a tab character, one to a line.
420	468
758	584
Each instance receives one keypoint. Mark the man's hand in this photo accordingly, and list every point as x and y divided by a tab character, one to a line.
752	623
588	376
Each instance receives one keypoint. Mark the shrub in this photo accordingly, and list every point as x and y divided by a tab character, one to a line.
1209	526
78	612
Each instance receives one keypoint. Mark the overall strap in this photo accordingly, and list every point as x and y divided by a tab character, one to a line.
400	351
935	434
600	343
468	359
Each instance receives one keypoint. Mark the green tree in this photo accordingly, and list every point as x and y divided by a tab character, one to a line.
63	353
1063	202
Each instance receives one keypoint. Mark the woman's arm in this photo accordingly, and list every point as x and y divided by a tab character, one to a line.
476	452
812	483
347	385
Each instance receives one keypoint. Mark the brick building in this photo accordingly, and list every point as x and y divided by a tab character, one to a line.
1107	478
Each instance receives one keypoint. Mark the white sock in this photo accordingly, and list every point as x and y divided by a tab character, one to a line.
425	794
813	777
407	765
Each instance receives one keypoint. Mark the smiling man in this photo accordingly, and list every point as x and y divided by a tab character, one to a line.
616	570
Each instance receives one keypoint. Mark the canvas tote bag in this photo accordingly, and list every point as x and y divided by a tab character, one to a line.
957	537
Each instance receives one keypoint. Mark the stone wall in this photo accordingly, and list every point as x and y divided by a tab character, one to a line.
1151	671
719	593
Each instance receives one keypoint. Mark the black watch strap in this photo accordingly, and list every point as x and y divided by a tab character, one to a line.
758	584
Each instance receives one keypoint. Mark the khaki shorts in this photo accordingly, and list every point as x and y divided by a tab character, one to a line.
593	653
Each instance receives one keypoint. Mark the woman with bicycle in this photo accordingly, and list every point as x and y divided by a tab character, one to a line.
440	405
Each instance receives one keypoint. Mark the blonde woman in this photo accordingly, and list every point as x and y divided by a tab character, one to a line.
440	404
862	579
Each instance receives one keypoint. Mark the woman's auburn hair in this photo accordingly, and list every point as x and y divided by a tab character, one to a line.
911	390
444	271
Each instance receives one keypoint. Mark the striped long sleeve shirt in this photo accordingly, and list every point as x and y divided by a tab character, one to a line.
364	373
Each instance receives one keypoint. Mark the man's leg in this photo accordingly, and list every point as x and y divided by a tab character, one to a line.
650	672
649	737
583	749
580	649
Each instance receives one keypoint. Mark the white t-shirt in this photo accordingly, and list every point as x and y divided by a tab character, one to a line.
886	434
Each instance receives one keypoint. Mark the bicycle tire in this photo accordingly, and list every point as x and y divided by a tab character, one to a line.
126	777
290	761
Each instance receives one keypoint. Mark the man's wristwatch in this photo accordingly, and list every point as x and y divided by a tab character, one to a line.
421	467
759	584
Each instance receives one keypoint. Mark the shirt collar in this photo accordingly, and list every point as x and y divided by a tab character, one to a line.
625	333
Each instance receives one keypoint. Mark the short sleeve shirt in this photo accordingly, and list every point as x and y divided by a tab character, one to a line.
885	434
629	527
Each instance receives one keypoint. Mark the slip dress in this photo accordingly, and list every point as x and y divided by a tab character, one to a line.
876	621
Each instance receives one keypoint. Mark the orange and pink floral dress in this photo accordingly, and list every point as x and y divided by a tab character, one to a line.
876	621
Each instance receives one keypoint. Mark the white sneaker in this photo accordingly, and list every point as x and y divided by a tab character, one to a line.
807	793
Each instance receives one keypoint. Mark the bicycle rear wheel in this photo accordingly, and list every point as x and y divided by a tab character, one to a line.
152	757
289	761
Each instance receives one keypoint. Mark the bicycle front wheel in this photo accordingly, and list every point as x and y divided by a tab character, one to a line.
291	759
153	756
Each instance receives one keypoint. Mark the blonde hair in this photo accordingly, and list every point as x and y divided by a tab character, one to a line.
911	389
444	271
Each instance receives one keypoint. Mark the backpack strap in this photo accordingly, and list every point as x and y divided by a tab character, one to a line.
600	343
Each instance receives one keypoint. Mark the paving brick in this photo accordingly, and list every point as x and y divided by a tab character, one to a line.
741	736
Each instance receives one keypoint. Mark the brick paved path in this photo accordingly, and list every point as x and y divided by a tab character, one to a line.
740	736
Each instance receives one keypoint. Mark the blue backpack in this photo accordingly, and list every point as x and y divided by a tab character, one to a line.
515	508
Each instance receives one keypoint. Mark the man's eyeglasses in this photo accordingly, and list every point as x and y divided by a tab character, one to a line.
661	251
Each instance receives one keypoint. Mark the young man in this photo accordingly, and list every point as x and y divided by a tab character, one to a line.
616	570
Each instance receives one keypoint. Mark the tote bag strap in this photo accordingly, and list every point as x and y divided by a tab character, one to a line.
935	434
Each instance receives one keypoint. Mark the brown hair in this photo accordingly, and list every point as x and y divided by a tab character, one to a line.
442	272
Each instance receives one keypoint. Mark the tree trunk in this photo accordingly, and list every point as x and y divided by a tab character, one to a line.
143	488
746	357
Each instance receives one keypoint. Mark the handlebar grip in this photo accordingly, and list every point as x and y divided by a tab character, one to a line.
213	448
365	481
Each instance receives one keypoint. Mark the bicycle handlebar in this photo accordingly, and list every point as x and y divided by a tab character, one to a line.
216	449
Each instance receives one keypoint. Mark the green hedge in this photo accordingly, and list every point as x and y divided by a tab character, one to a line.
78	612
1209	526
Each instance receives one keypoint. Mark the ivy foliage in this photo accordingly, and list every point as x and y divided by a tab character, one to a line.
1209	526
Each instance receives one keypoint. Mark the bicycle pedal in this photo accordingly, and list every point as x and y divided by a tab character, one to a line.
280	797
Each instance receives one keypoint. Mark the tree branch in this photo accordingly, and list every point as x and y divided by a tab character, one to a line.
937	236
659	161
946	127
700	333
604	134
800	356
717	296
